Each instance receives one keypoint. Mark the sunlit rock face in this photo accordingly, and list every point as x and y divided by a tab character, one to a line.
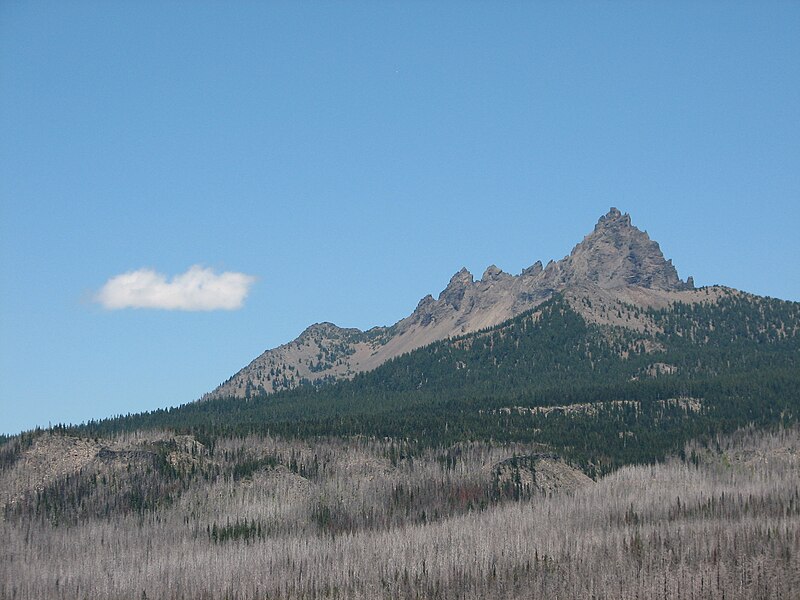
616	261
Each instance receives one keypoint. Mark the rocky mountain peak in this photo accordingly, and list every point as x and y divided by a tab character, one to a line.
453	294
325	329
614	259
493	273
426	302
321	327
534	269
463	276
617	254
613	218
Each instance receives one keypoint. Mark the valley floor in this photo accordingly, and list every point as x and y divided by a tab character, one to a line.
361	520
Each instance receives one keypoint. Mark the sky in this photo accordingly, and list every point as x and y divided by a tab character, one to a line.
184	185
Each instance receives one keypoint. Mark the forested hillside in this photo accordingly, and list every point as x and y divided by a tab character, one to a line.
601	395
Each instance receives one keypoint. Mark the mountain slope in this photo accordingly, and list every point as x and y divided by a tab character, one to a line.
615	263
599	394
608	358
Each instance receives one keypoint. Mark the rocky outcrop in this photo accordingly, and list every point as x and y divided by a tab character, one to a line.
616	261
616	255
541	473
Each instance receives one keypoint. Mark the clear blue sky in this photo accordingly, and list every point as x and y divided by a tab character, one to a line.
351	157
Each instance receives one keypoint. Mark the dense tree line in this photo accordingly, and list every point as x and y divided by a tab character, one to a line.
739	356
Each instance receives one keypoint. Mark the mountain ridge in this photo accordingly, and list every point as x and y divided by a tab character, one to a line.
616	262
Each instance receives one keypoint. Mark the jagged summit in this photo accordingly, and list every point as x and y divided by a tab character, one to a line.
616	260
617	254
613	218
453	294
493	273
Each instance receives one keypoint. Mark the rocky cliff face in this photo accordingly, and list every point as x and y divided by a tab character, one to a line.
616	262
617	254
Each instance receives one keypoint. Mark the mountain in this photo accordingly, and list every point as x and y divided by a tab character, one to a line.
607	358
615	263
471	423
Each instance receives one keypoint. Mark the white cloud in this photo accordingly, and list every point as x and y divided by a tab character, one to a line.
198	288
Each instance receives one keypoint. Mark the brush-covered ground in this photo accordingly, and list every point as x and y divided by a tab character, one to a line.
153	515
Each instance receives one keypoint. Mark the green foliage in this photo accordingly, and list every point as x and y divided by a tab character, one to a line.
245	530
737	358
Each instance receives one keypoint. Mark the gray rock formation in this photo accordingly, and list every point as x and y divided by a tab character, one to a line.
617	254
616	262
